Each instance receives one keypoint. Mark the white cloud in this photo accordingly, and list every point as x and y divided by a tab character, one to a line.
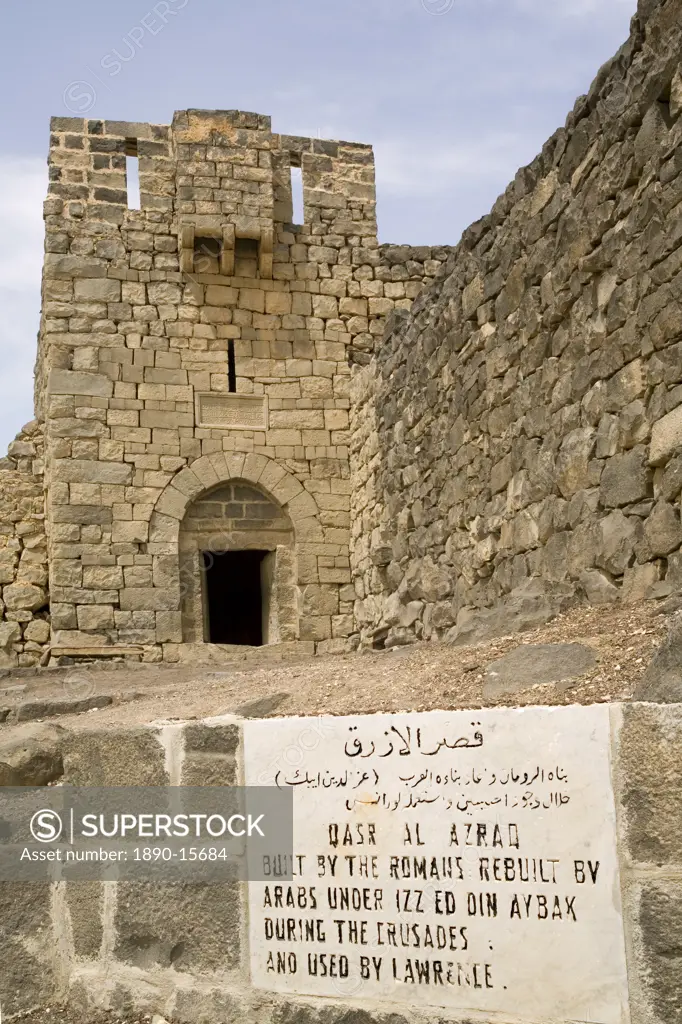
558	10
23	185
575	8
548	9
404	168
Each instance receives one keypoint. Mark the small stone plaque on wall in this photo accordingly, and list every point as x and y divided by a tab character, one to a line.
232	411
459	859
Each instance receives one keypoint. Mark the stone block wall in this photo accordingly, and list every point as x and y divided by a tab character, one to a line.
180	949
514	399
204	330
523	419
24	613
201	340
140	320
391	277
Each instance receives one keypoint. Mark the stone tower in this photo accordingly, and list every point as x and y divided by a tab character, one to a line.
192	383
186	479
193	375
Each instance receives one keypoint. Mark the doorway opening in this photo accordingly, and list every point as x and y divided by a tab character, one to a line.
236	597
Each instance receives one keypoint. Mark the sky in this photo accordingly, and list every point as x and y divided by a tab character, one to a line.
454	95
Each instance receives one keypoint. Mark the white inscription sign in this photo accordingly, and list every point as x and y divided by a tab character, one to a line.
455	859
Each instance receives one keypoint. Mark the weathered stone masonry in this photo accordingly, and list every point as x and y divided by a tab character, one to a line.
524	419
24	622
180	948
516	432
200	342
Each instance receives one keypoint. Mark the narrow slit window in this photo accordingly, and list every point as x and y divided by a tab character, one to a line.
298	216
132	175
231	367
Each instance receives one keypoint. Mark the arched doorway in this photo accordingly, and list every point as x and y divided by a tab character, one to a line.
237	568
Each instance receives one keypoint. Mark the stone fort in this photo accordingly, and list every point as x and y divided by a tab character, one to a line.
254	432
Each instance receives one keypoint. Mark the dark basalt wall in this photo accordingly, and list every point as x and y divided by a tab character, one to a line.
524	418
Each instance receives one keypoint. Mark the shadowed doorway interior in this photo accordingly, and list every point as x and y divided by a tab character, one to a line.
237	559
234	596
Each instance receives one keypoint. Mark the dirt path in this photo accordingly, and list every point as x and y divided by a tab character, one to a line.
421	677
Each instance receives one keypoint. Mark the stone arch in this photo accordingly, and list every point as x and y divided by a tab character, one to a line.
178	564
220	467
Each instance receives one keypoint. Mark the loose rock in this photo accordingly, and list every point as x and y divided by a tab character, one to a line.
31	755
536	665
261	707
662	681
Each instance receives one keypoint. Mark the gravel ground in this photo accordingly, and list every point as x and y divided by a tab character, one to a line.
421	677
63	1015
